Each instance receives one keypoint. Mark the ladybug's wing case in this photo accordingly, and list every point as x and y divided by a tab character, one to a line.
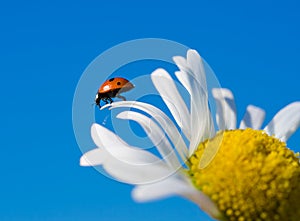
105	87
128	86
117	84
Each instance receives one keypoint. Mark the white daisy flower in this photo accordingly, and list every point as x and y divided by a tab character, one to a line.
232	174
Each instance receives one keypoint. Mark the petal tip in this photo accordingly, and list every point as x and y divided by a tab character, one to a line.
225	92
83	161
193	52
159	72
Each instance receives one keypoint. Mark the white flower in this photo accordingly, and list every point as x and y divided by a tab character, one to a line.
156	178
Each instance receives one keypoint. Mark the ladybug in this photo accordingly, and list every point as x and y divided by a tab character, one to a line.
111	88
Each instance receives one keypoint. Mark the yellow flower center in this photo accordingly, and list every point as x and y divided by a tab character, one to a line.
253	176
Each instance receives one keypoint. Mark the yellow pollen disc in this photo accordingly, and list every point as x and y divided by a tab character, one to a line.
252	176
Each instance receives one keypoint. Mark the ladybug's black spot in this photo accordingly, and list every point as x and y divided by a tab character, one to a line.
110	80
118	83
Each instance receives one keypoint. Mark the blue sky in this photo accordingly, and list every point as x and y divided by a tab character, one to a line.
253	48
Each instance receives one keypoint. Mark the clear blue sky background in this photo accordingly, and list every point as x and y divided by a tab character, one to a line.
45	46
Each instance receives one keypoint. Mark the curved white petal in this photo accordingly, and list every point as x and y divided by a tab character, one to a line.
193	65
253	118
184	80
180	62
123	162
124	171
166	87
119	149
105	106
163	120
226	110
171	187
137	174
192	76
194	61
285	122
157	136
93	157
182	75
201	121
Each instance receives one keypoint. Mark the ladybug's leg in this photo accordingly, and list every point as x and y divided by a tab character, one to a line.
121	97
110	100
105	100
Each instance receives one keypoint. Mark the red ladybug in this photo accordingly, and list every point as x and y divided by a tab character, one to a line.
112	88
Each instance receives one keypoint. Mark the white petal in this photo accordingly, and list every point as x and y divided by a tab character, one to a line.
137	174
93	157
157	136
193	66
199	110
105	106
163	120
120	149
184	80
194	61
180	62
253	118
171	187
123	162
170	95
200	118
192	76
285	122
123	171
226	110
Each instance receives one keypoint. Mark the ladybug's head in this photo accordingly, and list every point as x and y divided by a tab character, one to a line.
97	100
